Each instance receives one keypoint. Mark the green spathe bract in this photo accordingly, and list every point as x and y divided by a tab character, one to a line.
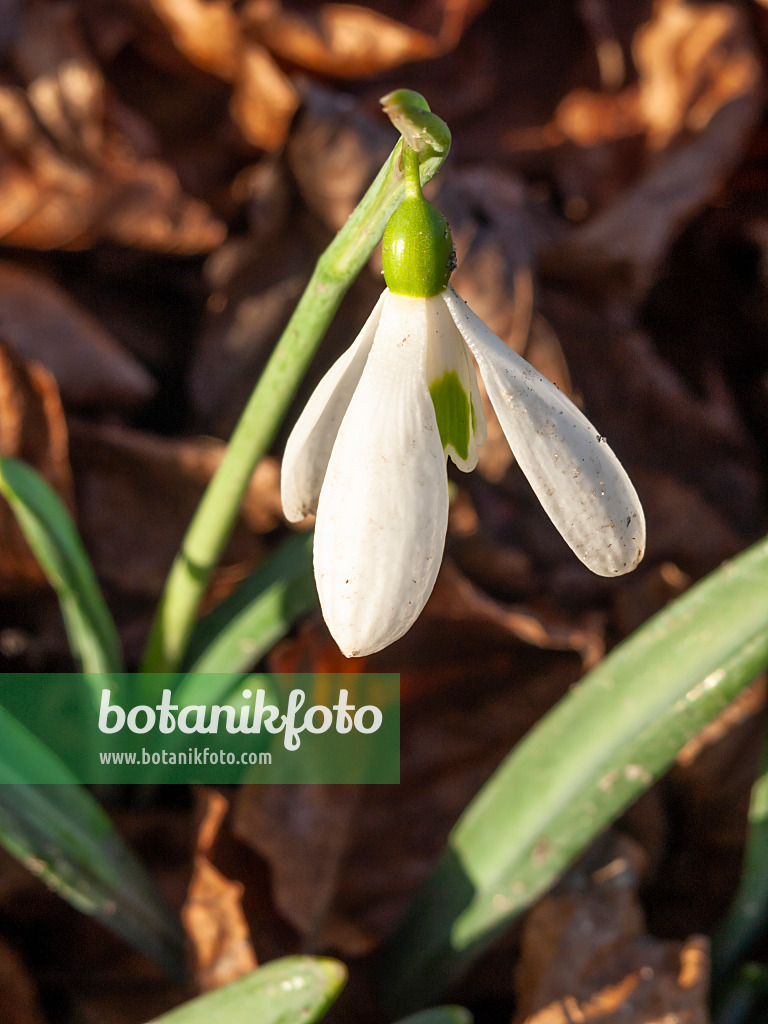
417	250
454	412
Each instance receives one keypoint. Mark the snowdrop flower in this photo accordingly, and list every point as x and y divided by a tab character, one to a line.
368	453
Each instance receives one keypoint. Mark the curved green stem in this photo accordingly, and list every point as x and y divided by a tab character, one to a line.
215	517
411	171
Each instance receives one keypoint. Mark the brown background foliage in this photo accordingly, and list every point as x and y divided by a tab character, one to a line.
169	171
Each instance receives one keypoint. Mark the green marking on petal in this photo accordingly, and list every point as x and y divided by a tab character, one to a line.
454	411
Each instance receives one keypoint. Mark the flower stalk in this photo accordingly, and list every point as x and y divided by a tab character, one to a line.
410	161
335	271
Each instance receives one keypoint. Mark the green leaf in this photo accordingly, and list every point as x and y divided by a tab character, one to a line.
746	921
294	990
746	1000
590	757
54	540
241	629
440	1015
63	836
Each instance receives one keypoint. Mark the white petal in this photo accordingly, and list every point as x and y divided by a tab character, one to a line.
383	509
575	475
447	354
311	440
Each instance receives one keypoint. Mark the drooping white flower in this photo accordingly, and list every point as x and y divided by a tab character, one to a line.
367	456
368	453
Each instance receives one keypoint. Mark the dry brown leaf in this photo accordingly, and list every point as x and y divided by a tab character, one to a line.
207	32
693	60
672	507
121	473
52	204
340	40
65	89
71	176
251	47
696	99
264	100
343	40
254	291
599	21
503	570
702	462
145	207
42	323
490	225
455	598
586	956
334	152
32	425
234	347
315	819
18	999
255	286
353	893
213	912
621	248
470	690
32	428
337	39
590	118
707	795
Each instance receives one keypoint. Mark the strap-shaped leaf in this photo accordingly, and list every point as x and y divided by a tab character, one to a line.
63	836
440	1015
747	917
293	990
745	1001
241	629
56	544
588	758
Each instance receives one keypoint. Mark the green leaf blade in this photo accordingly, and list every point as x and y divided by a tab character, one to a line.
747	917
243	628
440	1015
62	835
590	756
52	535
293	990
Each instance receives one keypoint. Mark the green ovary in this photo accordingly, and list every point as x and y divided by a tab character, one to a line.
417	250
454	411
